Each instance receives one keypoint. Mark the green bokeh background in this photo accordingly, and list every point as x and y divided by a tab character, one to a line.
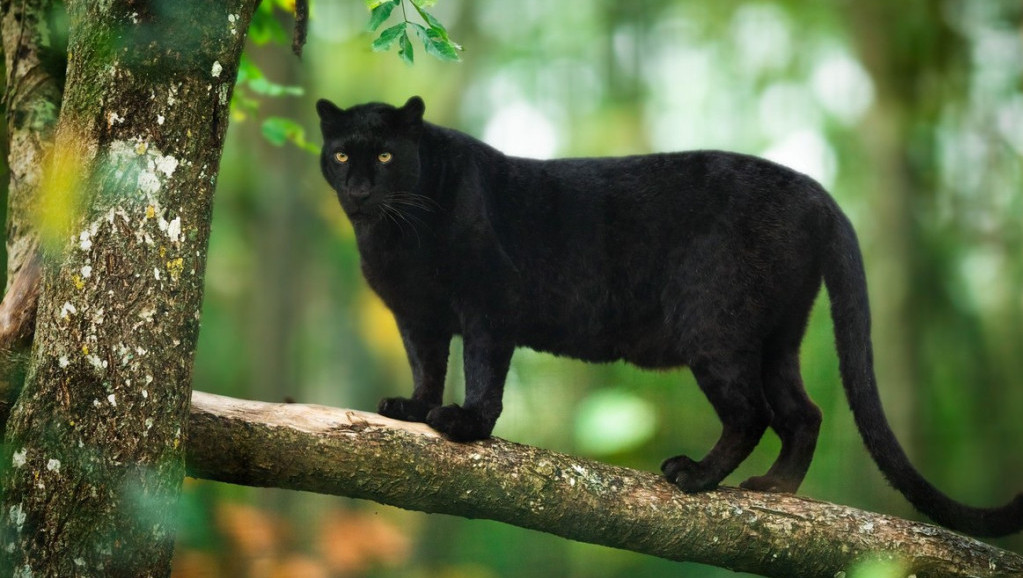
910	112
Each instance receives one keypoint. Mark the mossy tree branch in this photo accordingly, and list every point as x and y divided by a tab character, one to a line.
360	455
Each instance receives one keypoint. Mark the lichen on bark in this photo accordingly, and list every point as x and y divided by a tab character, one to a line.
94	456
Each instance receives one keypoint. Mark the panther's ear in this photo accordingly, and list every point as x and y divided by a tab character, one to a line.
412	111
327	110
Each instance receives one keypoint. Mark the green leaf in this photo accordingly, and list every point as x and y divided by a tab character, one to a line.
266	87
438	30
242	105
251	77
431	20
381	13
405	49
436	44
433	36
265	28
388	37
247	70
279	130
276	129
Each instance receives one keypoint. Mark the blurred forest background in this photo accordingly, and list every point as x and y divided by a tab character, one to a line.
910	112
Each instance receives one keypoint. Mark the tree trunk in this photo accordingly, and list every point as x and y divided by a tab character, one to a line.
362	455
93	458
31	101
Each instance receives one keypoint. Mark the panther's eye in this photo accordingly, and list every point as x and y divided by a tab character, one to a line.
341	157
384	157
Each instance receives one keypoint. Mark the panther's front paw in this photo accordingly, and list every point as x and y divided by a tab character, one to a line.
404	409
687	474
459	424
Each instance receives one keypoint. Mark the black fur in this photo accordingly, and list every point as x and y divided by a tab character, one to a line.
704	259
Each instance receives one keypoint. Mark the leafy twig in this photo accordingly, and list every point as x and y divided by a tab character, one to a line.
433	34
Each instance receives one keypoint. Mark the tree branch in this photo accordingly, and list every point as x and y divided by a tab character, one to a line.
361	455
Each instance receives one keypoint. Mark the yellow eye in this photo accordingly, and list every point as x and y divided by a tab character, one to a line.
341	157
384	157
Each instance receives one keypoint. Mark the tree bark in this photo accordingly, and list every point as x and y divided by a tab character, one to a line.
362	455
31	101
93	456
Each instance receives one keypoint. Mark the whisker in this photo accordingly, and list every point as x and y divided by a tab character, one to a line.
390	212
398	218
415	200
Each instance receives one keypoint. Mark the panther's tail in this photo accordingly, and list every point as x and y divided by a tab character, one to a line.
850	310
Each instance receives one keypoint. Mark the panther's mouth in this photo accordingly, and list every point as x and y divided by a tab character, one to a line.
364	213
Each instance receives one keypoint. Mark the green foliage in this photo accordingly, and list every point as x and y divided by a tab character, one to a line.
252	83
279	130
265	27
434	36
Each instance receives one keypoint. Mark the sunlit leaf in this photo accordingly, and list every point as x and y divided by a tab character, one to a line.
266	87
275	130
279	130
432	22
388	37
243	105
286	5
435	43
434	35
265	28
381	13
405	49
250	76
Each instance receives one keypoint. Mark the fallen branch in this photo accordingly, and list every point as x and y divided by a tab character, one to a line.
361	455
